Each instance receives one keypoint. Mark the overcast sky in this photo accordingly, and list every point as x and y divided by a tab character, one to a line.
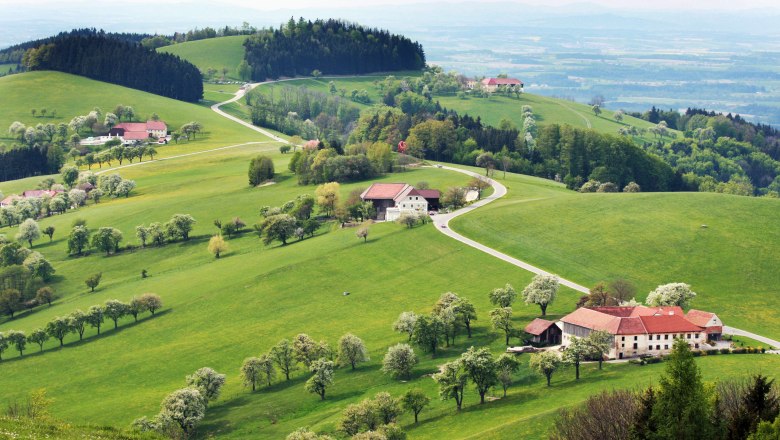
8	5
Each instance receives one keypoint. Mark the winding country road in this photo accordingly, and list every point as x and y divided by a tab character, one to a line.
441	221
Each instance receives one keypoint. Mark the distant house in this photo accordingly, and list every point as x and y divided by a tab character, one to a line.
130	132
392	200
29	194
494	84
8	201
642	330
544	332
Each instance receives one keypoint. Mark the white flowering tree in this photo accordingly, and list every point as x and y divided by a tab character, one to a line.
542	291
672	294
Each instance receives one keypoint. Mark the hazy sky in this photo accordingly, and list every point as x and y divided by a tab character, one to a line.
7	5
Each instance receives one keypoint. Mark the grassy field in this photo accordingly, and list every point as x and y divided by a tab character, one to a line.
212	53
724	246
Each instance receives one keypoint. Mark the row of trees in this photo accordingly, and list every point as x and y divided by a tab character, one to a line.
60	327
681	406
95	56
178	228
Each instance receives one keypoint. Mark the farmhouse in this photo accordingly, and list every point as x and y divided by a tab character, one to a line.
642	330
544	332
139	131
29	194
494	84
391	200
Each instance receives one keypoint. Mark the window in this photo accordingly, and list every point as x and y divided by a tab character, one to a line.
622	338
697	345
689	336
657	347
666	347
657	337
635	344
636	339
697	336
622	345
666	337
650	347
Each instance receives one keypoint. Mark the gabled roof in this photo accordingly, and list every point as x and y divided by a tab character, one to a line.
131	126
39	193
383	191
668	324
699	317
593	320
8	201
429	193
501	82
156	125
135	135
538	326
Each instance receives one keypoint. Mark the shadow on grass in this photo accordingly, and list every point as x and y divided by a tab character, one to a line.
107	330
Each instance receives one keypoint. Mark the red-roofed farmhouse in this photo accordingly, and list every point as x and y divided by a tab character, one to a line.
391	200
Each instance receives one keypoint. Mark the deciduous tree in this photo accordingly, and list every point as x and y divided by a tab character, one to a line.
545	363
481	368
29	231
452	379
151	301
95	317
506	367
186	408
501	318
503	296
115	310
217	245
405	323
284	357
322	377
352	350
399	361
542	291
38	336
58	328
93	281
415	400
672	294
208	382
575	353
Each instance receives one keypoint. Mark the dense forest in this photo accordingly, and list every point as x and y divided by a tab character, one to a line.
331	47
99	56
719	152
15	53
26	161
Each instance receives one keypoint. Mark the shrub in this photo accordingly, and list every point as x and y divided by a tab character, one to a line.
261	168
725	350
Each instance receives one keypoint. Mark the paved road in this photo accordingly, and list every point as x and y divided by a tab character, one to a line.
240	94
442	225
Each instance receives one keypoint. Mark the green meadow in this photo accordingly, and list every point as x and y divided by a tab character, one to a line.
213	53
724	246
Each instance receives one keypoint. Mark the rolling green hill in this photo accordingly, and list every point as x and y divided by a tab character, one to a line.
724	246
213	53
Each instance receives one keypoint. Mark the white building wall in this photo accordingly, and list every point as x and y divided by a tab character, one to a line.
647	344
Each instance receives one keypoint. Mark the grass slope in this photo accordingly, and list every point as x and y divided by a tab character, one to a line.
211	53
45	428
648	238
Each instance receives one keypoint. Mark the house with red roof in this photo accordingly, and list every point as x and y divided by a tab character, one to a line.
544	332
642	330
130	132
493	85
392	200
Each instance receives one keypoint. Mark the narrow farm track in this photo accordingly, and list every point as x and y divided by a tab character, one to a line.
441	222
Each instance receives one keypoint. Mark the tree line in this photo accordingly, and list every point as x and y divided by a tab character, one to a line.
15	53
330	46
99	56
23	273
60	327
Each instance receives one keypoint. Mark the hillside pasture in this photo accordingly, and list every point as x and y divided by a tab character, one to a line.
213	53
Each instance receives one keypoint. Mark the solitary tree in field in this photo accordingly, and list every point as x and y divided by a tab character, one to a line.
322	377
107	239
399	361
217	245
29	231
596	109
542	291
49	231
352	350
78	240
415	400
575	353
545	363
93	281
501	318
261	169
618	115
486	161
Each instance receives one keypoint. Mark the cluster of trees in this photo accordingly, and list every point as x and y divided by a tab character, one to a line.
26	161
329	164
303	112
182	410
330	46
719	153
622	293
379	415
178	228
95	56
681	406
317	357
294	218
60	327
22	275
261	169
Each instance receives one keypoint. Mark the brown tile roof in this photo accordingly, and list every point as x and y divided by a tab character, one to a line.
501	81
156	125
538	326
668	324
381	191
631	326
593	320
429	193
699	317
